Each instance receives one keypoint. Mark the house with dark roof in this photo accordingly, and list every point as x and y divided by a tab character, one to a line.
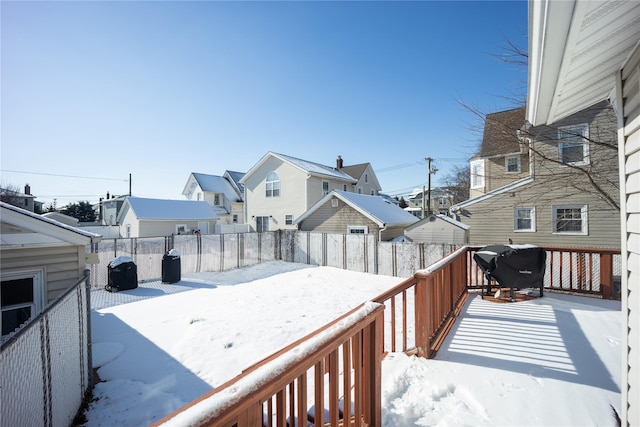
225	194
280	188
502	158
344	212
562	190
142	217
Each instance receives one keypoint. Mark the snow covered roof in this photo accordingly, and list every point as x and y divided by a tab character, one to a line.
235	178
217	184
311	168
22	228
441	217
159	209
376	208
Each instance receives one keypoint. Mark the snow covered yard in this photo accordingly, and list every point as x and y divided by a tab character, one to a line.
549	361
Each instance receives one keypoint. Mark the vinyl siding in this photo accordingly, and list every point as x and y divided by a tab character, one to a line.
63	265
496	174
629	97
165	228
292	199
327	219
438	231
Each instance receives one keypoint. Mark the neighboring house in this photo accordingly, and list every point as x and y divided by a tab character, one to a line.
280	188
141	217
438	229
557	203
345	212
440	202
223	193
40	258
24	200
503	157
109	209
594	55
367	180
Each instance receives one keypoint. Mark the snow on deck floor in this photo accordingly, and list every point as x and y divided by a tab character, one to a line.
550	361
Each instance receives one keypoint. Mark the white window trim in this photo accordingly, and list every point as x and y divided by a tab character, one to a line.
325	188
583	219
38	288
478	182
334	203
355	229
271	184
585	145
288	219
532	229
506	164
178	226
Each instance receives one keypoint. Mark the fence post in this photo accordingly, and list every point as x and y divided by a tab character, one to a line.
606	275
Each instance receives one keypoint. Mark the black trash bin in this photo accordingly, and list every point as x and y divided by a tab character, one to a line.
171	267
122	274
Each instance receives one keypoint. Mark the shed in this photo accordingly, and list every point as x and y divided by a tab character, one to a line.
40	258
438	229
142	217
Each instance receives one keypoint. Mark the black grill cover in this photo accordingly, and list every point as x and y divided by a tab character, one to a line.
513	266
122	276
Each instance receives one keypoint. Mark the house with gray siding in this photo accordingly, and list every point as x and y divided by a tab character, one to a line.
569	195
142	217
343	212
40	258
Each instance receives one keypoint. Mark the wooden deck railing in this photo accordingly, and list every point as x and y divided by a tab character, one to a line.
338	367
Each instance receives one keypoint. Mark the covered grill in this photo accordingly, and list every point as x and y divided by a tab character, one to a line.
513	266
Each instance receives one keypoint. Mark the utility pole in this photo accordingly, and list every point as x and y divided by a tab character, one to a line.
432	171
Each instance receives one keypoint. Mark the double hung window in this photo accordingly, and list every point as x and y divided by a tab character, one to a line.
524	219
573	148
20	298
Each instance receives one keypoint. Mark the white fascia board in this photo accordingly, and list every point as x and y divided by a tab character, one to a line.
493	193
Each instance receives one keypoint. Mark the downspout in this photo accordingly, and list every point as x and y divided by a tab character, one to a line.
383	228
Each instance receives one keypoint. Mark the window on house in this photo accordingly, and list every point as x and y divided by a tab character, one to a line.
373	192
235	218
359	229
359	190
524	219
217	199
442	201
262	223
334	203
344	187
325	187
477	173
181	229
21	296
570	219
512	164
128	230
366	177
288	219
573	148
273	185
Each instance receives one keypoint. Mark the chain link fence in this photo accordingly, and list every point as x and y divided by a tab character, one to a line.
46	364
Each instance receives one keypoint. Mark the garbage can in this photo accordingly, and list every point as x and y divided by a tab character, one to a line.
171	267
122	274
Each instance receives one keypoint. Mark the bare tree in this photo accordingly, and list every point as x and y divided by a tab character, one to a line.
12	195
457	183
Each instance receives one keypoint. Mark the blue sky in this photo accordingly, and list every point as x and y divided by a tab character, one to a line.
94	91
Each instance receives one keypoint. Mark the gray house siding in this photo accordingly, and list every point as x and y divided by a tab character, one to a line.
496	174
63	266
496	226
158	228
327	219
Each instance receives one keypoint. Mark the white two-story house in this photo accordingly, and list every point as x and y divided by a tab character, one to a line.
280	188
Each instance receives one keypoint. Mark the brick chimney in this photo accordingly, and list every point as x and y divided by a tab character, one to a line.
27	189
339	162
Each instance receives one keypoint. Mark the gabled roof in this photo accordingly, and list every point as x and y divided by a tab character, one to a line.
168	210
500	134
376	208
442	218
22	228
355	171
311	168
215	184
234	178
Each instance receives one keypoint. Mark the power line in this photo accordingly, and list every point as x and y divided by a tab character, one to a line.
64	176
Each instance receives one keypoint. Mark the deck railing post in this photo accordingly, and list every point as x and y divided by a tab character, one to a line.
422	314
606	275
373	371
